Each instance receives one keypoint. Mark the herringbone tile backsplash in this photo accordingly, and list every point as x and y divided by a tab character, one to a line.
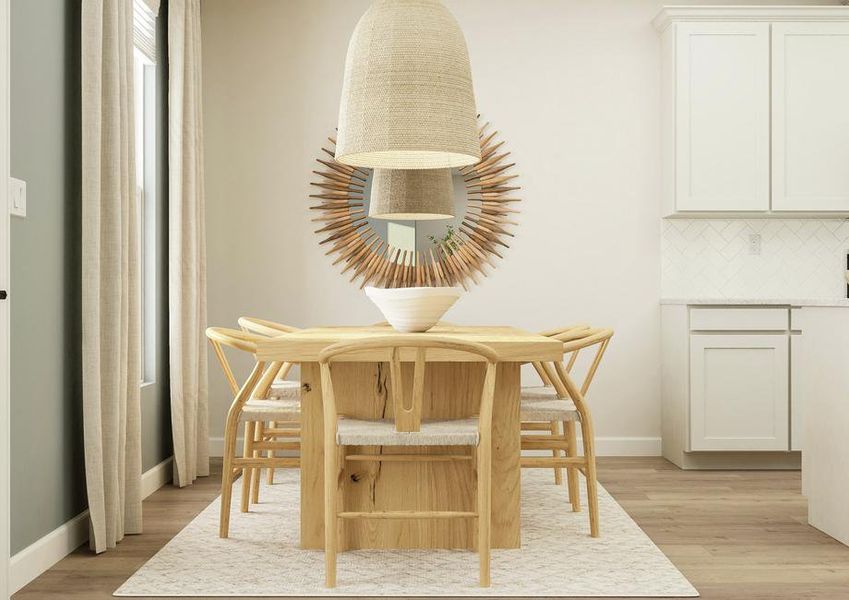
710	258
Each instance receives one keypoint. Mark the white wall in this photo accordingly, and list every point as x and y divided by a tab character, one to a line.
572	85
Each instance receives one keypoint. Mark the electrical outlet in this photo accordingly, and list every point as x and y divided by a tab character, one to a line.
755	244
17	197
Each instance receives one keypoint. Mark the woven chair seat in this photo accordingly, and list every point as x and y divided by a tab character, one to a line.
283	388
271	409
542	404
359	432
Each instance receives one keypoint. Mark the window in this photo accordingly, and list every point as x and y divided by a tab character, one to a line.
144	90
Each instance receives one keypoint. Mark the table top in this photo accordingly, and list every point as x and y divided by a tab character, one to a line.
511	344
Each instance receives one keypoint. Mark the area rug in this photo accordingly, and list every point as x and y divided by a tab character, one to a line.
558	557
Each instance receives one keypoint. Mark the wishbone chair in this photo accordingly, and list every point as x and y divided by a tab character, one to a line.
251	406
280	388
406	428
554	426
562	401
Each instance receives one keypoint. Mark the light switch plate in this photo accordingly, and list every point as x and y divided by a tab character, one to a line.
17	197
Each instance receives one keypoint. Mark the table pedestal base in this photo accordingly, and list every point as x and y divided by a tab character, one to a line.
452	390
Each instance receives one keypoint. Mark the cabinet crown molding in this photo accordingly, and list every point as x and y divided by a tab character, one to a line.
672	14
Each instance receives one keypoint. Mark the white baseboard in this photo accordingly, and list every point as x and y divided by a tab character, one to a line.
42	554
627	446
216	446
156	477
605	446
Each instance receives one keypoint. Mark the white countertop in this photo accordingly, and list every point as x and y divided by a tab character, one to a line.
759	301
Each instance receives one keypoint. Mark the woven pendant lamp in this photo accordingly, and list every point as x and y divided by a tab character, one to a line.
411	195
407	96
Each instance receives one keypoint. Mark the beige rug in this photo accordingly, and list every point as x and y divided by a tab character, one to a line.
557	558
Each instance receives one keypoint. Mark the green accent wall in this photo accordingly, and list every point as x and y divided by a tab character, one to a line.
155	399
48	475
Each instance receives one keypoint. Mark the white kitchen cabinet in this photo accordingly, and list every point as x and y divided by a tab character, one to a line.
722	117
825	385
754	117
728	382
797	394
810	120
739	396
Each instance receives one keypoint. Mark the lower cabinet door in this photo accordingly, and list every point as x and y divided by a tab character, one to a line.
739	392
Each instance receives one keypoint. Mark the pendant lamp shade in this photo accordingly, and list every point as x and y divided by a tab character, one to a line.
407	96
411	195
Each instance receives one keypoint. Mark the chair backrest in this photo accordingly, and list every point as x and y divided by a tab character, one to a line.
563	330
408	414
265	328
575	339
246	342
569	332
240	340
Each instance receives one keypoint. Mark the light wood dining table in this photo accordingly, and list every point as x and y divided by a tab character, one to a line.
452	390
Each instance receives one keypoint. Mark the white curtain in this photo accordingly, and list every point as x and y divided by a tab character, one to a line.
110	273
186	245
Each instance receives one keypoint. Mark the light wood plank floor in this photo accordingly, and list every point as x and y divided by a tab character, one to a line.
735	534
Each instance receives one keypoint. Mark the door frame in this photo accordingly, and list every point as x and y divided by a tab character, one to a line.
5	414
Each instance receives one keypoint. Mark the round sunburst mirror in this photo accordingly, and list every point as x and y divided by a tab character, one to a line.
388	253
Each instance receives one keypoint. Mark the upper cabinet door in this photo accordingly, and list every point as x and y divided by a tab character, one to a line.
722	117
810	116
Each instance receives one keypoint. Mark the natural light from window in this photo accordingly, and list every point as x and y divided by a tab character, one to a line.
144	90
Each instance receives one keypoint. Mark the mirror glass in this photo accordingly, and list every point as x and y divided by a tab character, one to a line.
420	236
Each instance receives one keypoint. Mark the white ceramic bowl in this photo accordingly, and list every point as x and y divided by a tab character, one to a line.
413	309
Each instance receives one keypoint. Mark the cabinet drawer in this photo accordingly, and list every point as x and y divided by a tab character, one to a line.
738	319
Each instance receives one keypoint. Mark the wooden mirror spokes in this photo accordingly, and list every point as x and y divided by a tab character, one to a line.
462	258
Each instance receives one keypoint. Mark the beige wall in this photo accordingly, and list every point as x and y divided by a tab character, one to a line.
574	88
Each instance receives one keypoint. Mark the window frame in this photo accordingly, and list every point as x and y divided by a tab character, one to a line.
144	100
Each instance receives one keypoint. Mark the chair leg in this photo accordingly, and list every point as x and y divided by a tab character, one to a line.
247	452
558	472
259	430
592	483
227	479
484	466
270	454
330	519
572	472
